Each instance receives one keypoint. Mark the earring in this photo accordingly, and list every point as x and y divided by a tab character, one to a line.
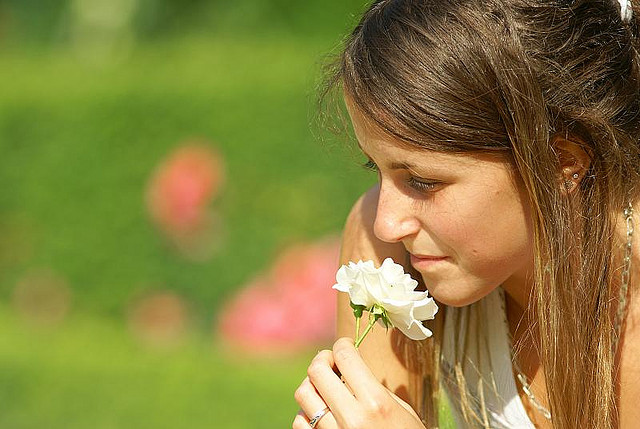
575	176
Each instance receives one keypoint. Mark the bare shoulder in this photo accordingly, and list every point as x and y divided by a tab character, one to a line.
380	349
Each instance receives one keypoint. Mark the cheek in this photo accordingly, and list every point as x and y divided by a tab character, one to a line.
481	262
488	238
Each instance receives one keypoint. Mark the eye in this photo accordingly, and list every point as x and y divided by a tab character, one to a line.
370	165
421	185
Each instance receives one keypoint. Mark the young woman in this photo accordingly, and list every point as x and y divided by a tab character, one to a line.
506	138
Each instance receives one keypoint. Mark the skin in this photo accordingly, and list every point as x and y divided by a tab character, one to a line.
470	210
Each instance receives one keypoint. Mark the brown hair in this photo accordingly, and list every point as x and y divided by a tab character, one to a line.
494	75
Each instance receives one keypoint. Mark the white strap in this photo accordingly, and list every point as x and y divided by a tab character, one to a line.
626	11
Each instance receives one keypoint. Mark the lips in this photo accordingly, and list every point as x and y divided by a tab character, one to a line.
418	256
424	261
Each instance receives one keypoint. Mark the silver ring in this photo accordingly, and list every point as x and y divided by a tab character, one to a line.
313	421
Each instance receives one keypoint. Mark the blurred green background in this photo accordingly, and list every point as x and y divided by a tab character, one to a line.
94	95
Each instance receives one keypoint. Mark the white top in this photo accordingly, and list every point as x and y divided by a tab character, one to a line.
481	334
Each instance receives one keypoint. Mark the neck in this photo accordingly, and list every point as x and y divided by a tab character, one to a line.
518	289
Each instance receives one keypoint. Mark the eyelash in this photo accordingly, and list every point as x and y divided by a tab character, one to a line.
413	183
370	165
421	186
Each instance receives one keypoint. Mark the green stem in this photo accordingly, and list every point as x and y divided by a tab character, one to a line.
358	328
372	321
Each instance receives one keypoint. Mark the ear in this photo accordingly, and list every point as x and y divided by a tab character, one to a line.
574	158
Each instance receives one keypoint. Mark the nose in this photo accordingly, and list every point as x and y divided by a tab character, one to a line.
394	217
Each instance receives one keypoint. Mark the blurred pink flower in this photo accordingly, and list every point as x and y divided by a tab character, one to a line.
290	308
179	196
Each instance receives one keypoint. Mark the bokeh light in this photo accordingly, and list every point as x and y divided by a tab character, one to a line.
180	195
159	319
289	308
42	298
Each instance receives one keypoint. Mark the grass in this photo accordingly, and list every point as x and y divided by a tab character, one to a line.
91	373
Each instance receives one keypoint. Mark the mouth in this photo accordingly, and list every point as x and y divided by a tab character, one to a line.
424	261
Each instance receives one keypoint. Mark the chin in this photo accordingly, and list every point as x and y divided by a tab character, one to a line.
456	296
453	301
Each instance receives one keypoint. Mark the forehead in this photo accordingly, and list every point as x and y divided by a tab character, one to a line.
389	150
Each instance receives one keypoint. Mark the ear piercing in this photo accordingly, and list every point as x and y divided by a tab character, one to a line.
568	184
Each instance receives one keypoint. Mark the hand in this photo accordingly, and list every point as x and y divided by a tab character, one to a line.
361	401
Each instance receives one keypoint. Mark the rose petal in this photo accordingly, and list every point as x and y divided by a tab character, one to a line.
391	288
416	331
426	309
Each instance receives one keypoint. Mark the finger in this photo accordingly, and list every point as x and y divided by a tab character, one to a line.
308	398
327	421
300	422
329	386
354	370
312	403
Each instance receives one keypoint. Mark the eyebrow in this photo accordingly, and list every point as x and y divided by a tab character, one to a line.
401	166
394	165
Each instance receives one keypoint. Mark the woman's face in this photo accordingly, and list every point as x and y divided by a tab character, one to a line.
464	219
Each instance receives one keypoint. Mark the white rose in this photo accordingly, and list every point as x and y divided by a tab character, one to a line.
391	290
